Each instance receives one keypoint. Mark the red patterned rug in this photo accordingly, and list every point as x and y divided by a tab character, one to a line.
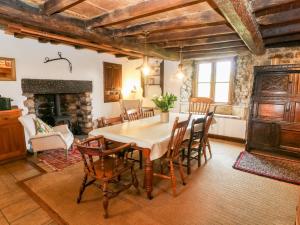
56	159
267	166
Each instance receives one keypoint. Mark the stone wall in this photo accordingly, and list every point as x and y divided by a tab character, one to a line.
243	80
244	69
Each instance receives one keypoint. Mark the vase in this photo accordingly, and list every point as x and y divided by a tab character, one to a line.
164	117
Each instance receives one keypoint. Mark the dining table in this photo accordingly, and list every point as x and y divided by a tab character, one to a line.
150	136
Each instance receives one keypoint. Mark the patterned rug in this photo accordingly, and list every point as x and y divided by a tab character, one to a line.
267	166
56	159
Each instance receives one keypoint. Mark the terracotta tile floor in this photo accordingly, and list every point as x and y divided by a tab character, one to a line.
16	206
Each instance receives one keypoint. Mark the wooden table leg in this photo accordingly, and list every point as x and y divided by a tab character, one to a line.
148	176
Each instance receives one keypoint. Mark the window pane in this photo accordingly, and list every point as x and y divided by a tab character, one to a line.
204	90
221	92
223	71
204	72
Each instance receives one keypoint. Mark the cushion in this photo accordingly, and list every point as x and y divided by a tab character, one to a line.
28	122
41	127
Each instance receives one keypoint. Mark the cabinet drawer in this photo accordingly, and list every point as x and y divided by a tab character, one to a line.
10	116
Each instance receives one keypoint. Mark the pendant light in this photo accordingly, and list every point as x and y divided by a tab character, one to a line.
180	75
145	67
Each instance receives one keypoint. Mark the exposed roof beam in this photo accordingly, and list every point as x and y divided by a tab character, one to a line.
239	15
190	34
141	9
232	49
209	17
283	30
264	4
274	40
281	17
54	6
18	12
214	52
211	46
211	55
45	37
202	41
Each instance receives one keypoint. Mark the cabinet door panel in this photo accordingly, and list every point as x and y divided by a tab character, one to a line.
272	85
271	110
290	137
263	135
295	81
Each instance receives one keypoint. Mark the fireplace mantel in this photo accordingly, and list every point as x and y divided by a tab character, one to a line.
45	86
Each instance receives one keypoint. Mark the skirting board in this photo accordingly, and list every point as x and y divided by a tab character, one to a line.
233	139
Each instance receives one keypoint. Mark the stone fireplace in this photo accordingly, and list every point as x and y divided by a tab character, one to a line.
60	102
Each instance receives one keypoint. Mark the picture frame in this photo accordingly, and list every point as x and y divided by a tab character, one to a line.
7	69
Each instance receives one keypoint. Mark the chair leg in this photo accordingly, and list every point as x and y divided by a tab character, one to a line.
105	199
209	149
204	151
188	162
173	178
181	171
199	157
141	159
135	181
35	155
82	188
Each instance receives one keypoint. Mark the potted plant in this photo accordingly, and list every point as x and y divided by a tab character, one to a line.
165	103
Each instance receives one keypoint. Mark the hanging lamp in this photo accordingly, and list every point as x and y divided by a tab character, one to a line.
146	69
180	74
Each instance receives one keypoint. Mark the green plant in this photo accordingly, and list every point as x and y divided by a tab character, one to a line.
165	102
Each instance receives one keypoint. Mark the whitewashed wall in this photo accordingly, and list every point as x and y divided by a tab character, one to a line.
87	65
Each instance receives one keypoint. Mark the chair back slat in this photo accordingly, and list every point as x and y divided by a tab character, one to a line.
133	114
147	113
197	128
177	136
199	105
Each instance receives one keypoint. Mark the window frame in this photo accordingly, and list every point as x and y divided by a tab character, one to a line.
213	78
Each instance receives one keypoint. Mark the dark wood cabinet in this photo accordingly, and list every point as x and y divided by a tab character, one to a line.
12	140
274	116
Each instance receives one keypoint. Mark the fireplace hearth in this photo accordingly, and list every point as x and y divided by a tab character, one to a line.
56	105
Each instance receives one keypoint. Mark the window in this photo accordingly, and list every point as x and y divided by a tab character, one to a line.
213	80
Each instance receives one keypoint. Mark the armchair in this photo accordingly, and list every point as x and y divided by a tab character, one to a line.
60	138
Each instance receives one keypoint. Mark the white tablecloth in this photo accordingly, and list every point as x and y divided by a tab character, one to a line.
146	133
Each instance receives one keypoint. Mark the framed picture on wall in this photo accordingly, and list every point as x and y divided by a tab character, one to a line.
7	69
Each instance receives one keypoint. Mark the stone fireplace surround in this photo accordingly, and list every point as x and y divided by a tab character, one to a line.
76	95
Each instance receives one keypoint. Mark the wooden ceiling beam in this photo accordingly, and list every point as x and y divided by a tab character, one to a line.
204	51
45	37
282	39
18	12
54	6
282	30
202	41
204	18
139	10
264	4
238	13
189	34
211	46
281	17
210	55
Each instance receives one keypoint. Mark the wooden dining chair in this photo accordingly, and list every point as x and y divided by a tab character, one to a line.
194	143
173	153
199	105
133	114
104	122
107	169
205	141
149	112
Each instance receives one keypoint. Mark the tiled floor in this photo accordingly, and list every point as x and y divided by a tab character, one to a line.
16	206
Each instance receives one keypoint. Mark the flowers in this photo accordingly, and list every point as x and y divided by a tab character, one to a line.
165	102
